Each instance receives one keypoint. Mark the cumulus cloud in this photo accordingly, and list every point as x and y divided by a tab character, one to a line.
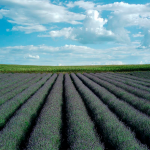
91	32
35	57
125	15
37	12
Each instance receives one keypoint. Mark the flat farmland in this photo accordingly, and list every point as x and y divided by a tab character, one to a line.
62	111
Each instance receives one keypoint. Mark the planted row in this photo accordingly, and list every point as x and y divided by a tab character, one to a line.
133	77
4	75
114	133
139	103
15	85
137	121
8	108
138	92
13	79
80	128
10	138
127	81
19	89
141	74
146	84
46	133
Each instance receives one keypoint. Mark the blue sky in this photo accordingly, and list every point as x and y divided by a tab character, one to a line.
69	33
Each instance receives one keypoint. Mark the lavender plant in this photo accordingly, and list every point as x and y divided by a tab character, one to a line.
46	133
19	89
137	121
15	85
140	93
134	78
8	108
113	131
125	81
138	103
15	130
81	132
12	79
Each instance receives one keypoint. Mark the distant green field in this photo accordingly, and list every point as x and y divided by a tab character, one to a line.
69	69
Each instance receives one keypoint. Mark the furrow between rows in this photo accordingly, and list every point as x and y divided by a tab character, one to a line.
13	79
18	90
134	78
114	132
46	133
10	138
80	131
138	103
137	121
9	108
140	93
15	85
126	81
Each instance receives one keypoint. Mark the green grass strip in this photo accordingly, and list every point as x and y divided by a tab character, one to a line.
69	69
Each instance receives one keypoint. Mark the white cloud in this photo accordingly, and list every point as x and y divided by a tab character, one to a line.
37	12
69	54
138	35
114	63
82	4
91	32
29	29
7	30
141	62
35	57
125	15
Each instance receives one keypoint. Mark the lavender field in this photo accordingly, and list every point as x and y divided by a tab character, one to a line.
89	111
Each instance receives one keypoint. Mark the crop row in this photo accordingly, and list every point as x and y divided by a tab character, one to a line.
126	81
139	103
8	108
10	137
138	80
114	132
12	79
46	133
137	121
73	112
138	92
134	78
141	74
15	85
19	89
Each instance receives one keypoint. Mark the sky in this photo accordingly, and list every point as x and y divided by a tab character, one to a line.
74	33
